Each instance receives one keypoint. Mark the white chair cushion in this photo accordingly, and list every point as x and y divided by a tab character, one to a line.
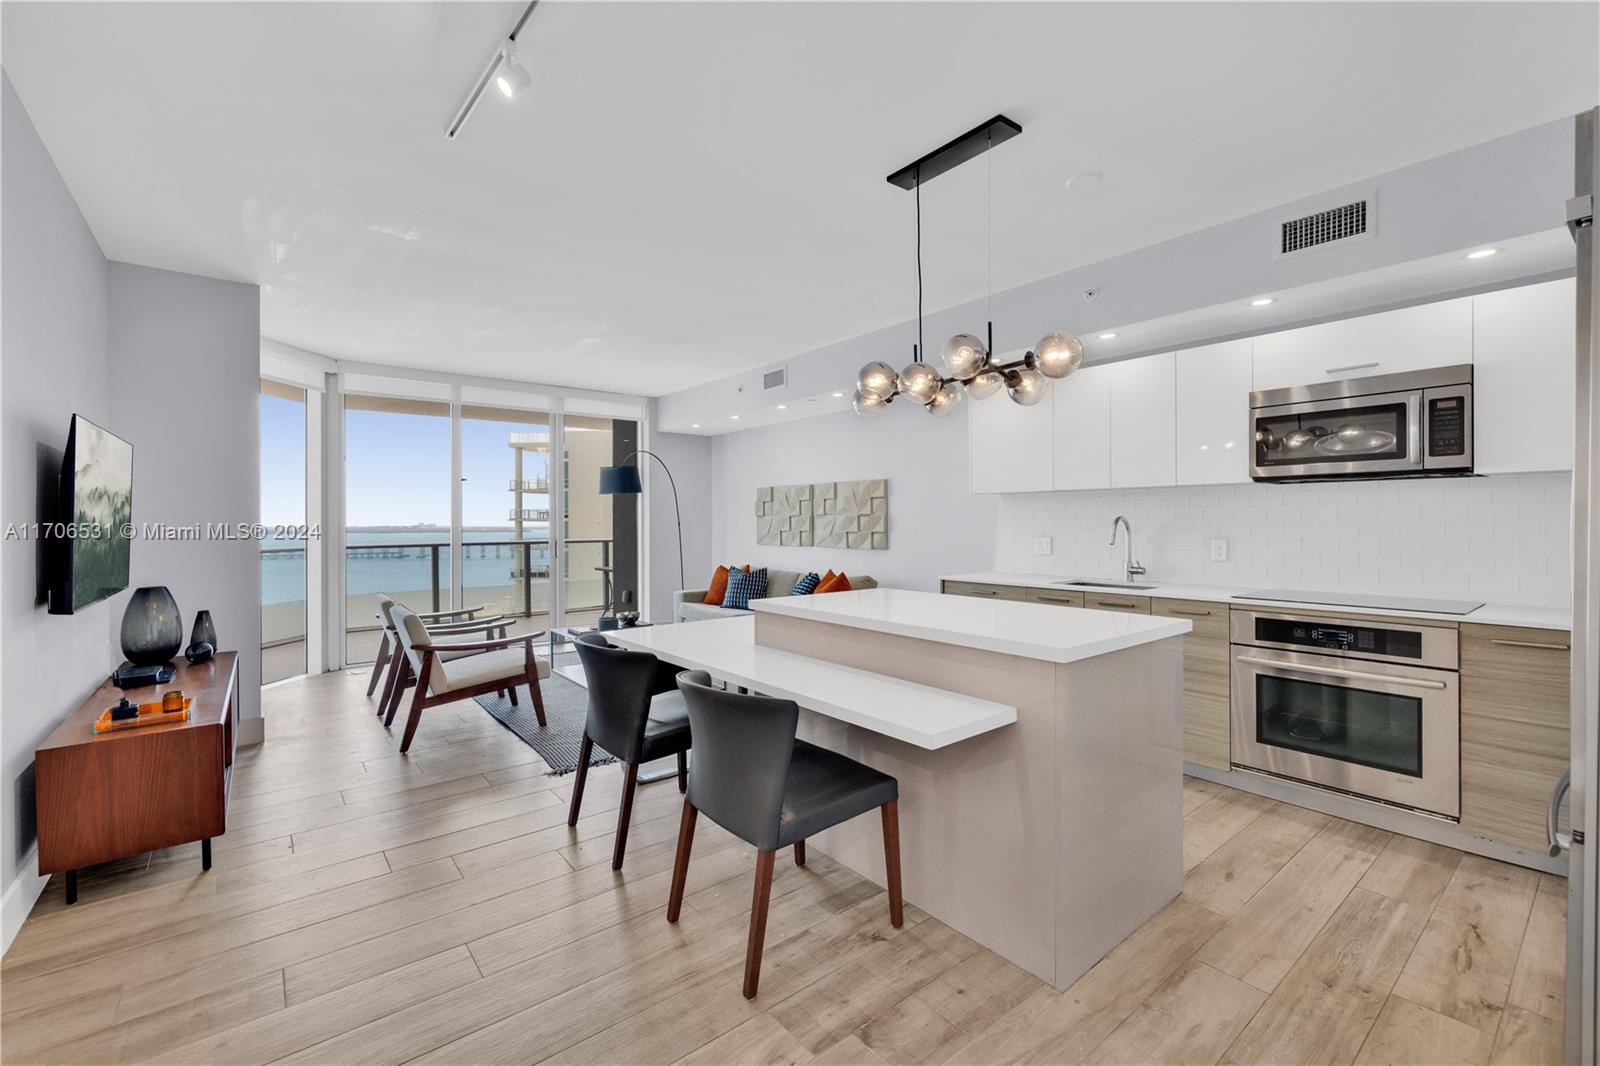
465	671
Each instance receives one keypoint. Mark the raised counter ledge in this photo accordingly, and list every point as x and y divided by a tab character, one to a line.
1490	614
726	648
1030	630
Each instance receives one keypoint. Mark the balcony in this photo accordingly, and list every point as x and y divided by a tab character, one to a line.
529	514
538	440
537	486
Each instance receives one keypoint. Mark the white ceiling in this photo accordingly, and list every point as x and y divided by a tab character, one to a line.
690	190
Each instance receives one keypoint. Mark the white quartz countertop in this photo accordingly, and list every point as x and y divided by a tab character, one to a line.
726	648
1494	614
1030	630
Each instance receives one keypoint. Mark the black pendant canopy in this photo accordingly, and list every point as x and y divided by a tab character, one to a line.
970	145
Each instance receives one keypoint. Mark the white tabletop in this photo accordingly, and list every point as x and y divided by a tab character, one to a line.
1030	630
726	649
1492	614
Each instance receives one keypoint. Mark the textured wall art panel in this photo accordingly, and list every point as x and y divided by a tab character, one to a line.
828	514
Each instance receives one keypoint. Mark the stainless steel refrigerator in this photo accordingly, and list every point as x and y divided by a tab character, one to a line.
1584	798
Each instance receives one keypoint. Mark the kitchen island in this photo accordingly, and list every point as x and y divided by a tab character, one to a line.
1039	752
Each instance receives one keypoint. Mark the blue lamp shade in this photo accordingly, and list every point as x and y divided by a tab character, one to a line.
620	481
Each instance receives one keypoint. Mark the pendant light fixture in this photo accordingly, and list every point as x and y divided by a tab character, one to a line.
969	364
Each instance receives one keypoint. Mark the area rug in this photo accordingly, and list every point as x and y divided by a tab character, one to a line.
565	707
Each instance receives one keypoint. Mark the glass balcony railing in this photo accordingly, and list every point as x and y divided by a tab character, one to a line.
536	486
529	514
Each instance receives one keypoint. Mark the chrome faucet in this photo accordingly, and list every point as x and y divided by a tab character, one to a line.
1130	568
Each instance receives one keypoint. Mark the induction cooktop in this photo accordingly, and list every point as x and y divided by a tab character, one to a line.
1371	601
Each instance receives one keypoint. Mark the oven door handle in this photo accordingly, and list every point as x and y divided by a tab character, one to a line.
1354	675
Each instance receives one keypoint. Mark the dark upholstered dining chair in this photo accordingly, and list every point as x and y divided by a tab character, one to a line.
636	713
754	779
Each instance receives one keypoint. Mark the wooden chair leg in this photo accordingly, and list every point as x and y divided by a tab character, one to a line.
378	665
799	852
584	746
391	679
406	678
891	862
758	922
511	694
680	864
416	716
683	771
630	778
538	698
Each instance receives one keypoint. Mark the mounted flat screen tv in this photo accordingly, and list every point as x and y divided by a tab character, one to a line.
89	544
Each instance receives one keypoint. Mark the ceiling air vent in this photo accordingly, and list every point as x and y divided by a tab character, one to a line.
1320	228
774	379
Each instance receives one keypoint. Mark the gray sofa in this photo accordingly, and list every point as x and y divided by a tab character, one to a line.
688	604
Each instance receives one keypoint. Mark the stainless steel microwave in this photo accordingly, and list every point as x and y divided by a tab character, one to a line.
1389	425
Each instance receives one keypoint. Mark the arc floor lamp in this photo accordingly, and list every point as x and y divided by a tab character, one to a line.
623	480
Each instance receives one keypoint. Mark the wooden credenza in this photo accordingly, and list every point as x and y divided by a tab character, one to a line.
107	796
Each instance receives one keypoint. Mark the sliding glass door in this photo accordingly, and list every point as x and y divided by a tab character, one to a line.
283	504
587	563
505	512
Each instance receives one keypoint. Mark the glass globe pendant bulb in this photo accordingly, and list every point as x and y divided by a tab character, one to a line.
945	401
877	380
1057	355
985	384
919	381
964	356
1027	387
867	404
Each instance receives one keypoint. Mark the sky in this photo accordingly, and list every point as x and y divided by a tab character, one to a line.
397	468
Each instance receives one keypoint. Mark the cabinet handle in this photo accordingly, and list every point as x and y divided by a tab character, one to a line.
1352	366
1115	603
1552	817
1529	644
1186	610
982	592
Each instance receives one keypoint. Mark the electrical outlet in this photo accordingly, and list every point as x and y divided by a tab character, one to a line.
1041	545
1219	550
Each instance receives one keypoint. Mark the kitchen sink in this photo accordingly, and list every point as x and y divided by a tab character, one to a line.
1126	586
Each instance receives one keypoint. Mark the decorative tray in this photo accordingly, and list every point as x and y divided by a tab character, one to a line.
149	714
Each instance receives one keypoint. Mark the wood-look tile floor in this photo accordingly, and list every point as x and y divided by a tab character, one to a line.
371	908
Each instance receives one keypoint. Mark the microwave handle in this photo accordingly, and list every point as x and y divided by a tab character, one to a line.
1354	675
1414	419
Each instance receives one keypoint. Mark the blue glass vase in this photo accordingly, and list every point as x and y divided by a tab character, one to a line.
152	629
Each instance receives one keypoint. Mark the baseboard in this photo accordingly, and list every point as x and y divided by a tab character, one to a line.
21	894
252	731
1381	816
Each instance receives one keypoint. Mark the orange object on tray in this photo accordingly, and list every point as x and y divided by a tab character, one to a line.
149	714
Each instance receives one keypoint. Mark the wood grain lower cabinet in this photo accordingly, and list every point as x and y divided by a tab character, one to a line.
1205	679
1515	729
1062	598
1111	601
988	592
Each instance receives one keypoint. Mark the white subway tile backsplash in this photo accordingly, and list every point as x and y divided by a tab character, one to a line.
1503	538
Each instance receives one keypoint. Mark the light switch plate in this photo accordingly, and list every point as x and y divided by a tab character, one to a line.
1041	545
1219	550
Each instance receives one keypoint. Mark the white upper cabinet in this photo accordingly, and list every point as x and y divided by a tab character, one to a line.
1083	429
1214	413
1524	344
1412	338
1144	398
1011	446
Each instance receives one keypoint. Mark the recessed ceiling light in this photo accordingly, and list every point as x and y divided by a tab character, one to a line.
1107	336
783	407
695	426
1087	180
1261	301
734	417
1482	253
837	395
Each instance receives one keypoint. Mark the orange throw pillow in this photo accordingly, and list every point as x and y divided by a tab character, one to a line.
829	576
719	586
836	583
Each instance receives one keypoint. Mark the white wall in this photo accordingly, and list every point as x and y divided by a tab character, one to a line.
185	370
935	526
53	343
689	458
1501	539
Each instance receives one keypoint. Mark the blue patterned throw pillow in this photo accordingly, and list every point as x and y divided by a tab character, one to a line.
807	585
743	587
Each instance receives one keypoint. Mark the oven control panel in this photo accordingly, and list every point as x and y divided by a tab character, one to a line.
1370	640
